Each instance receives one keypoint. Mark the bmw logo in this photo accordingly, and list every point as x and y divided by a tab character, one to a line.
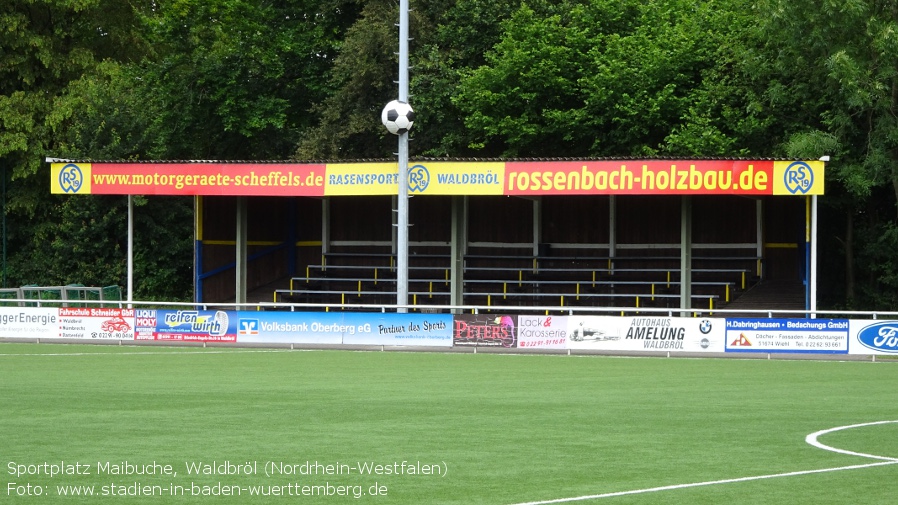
705	326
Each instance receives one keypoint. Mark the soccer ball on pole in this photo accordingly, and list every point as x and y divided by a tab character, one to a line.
398	117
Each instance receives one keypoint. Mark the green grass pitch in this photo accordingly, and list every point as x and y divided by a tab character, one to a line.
496	429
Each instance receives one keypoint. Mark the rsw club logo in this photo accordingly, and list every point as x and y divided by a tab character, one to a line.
418	178
798	178
71	178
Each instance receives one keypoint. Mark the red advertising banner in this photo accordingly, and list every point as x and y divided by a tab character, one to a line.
234	179
663	177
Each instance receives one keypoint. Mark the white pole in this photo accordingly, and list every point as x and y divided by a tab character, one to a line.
813	265
403	51
130	288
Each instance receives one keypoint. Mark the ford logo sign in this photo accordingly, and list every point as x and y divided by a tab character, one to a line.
880	336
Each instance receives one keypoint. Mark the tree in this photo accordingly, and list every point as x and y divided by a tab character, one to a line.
240	77
48	44
96	79
460	35
110	114
363	82
448	38
601	78
832	75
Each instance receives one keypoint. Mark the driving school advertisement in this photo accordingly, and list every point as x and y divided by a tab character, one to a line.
511	178
96	323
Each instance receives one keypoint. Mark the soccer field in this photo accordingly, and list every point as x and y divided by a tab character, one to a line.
190	425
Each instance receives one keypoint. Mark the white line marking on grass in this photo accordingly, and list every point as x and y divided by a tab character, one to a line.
811	439
707	483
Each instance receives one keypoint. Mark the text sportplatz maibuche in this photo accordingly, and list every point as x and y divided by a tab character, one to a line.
308	478
227	467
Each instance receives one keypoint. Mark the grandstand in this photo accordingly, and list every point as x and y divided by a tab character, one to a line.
597	232
503	280
579	262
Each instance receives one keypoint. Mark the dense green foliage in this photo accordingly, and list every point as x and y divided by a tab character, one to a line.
234	79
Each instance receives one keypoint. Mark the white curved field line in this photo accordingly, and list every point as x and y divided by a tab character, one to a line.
811	439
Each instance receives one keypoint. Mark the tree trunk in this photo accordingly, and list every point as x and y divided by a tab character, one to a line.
849	258
895	177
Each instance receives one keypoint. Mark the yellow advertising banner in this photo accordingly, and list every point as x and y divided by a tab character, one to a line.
70	178
358	179
520	178
456	178
797	178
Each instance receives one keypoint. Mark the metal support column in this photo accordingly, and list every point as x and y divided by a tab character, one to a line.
458	248
759	234
685	254
402	217
240	257
612	230
325	229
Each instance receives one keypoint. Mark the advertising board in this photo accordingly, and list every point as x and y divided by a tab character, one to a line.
345	328
29	322
873	337
485	330
629	334
542	332
185	325
649	333
96	323
787	335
